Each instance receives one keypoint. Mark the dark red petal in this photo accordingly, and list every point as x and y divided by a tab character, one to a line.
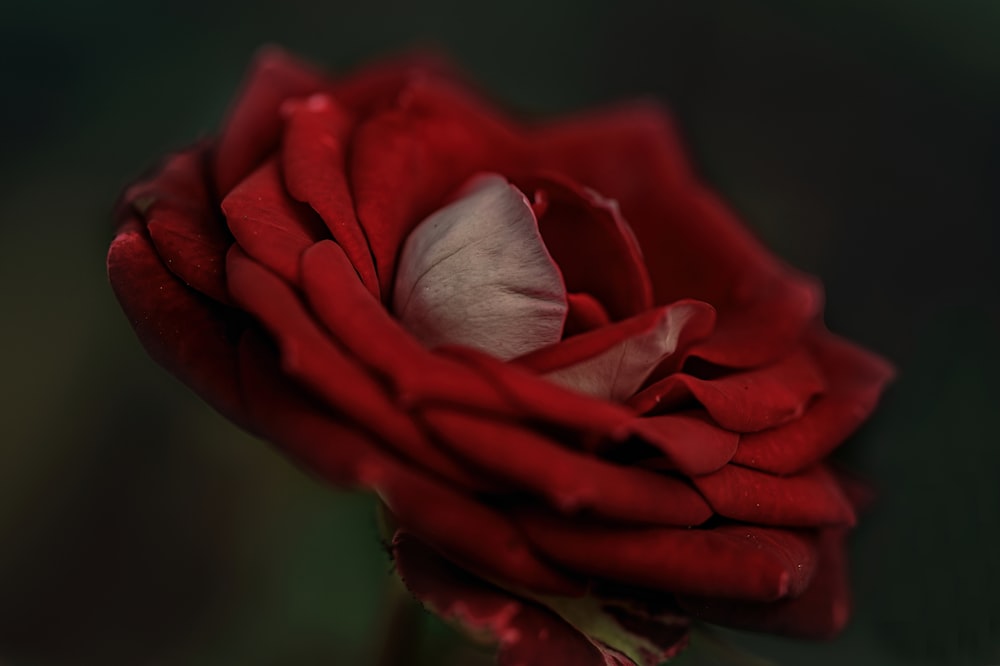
743	401
468	532
733	561
763	326
270	226
310	356
528	635
691	442
571	481
365	328
420	150
855	380
592	244
183	331
585	314
694	246
286	415
314	162
253	127
820	612
809	499
184	222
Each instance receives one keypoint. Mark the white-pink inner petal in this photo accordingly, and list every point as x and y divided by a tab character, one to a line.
476	273
617	373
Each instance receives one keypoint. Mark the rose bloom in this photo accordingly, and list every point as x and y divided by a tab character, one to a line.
593	406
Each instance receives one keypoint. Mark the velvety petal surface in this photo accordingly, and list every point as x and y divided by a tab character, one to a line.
855	379
183	331
268	224
182	221
733	561
309	356
571	481
253	127
809	499
820	612
314	152
690	441
746	401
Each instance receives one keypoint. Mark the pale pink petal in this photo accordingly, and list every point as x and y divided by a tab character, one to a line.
476	273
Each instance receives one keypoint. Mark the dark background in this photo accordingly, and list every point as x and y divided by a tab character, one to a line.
858	137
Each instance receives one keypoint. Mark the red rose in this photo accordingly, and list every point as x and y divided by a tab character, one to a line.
593	405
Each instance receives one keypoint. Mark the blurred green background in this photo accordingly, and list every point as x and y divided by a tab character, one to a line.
858	137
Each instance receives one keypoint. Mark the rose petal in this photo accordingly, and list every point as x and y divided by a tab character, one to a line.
614	361
314	163
701	249
572	481
855	379
468	532
809	499
592	244
183	221
476	273
691	442
268	224
732	561
286	415
309	356
527	634
743	401
584	314
821	612
366	329
421	150
184	332
253	126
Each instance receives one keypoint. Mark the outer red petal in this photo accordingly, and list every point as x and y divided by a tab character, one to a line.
809	499
571	481
695	247
744	401
360	323
855	380
820	612
183	221
284	414
690	441
268	224
253	127
183	331
469	532
311	357
528	635
733	561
